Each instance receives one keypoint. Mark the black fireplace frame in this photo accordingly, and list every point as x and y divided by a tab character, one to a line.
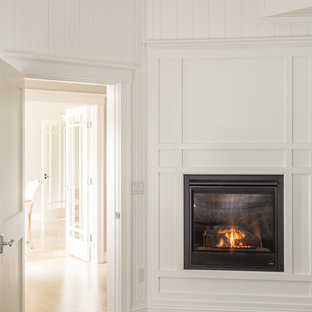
239	261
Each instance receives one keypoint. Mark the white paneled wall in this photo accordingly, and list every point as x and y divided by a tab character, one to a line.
229	110
94	29
203	19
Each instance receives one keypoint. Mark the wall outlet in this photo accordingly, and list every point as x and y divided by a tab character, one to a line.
141	276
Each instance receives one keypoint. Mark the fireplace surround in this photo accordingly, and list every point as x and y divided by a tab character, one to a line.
234	222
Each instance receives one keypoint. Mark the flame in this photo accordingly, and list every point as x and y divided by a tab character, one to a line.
221	243
232	240
232	234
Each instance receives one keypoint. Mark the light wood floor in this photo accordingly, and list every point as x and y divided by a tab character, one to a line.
56	282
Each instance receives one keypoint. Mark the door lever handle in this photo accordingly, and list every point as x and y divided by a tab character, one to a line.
2	243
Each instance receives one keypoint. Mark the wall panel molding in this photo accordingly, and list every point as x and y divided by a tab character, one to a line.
230	42
287	154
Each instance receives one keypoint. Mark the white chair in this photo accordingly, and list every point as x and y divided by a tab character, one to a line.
30	192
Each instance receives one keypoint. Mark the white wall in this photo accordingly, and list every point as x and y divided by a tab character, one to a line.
228	110
105	30
35	112
93	29
188	19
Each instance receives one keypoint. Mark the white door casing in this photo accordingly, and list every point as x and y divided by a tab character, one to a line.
119	79
53	170
11	188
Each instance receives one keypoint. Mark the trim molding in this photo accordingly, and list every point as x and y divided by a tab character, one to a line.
140	309
118	80
56	59
229	309
228	43
68	69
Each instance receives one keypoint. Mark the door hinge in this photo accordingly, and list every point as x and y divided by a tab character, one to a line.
90	238
89	125
90	181
117	215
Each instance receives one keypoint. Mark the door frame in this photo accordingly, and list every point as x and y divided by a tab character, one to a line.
118	78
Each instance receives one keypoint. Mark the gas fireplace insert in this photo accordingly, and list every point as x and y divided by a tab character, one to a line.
234	222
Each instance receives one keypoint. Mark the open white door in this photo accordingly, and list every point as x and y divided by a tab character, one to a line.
11	189
53	170
78	182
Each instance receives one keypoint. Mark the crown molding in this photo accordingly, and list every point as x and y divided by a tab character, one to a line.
48	67
230	43
56	59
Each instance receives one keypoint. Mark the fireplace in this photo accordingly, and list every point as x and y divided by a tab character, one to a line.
233	222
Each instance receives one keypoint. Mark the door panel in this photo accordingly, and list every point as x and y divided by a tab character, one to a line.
11	188
77	183
53	170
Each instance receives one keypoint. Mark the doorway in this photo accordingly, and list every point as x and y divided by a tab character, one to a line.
119	80
64	152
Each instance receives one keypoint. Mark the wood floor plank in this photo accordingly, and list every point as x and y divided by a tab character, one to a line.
56	282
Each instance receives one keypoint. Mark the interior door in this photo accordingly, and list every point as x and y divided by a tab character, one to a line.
11	189
77	182
53	170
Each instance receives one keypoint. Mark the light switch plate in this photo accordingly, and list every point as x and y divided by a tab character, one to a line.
137	187
141	276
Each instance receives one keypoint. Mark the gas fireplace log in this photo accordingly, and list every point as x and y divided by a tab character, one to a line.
229	237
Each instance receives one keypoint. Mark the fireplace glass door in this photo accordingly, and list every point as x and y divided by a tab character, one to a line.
234	222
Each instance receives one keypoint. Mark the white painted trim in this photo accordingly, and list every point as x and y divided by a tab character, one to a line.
119	195
99	219
64	97
211	308
140	309
119	78
230	43
53	68
173	300
55	59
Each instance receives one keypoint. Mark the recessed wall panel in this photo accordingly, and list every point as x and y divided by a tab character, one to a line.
169	91
301	99
234	287
167	220
234	100
234	158
301	224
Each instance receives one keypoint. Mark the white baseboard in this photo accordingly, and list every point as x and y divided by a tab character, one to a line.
229	309
140	309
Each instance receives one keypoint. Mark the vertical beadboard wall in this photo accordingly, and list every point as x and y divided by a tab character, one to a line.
104	30
88	29
204	19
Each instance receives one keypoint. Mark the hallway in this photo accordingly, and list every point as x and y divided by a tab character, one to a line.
56	282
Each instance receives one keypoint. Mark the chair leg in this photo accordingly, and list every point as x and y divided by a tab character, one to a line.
29	227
